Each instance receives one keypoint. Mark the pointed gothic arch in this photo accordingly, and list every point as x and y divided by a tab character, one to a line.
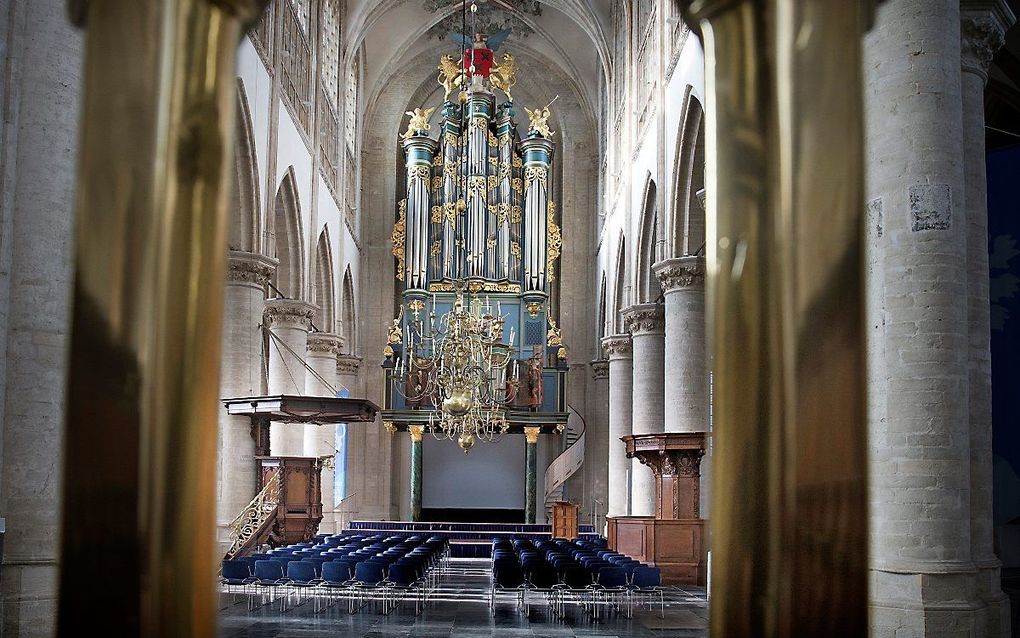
646	283
619	289
323	294
287	238
602	319
348	319
687	213
245	216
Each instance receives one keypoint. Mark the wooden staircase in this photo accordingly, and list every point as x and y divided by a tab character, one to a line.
253	525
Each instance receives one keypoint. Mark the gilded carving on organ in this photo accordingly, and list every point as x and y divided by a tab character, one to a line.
397	238
451	76
503	75
539	121
419	122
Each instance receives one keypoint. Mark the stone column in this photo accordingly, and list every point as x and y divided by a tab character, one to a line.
922	575
241	374
686	391
618	350
596	454
288	321
416	432
531	474
347	367
646	324
983	29
320	440
686	366
40	92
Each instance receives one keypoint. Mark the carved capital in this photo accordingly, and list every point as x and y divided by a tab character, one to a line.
617	346
980	38
347	364
531	434
416	432
645	319
250	268
325	343
599	369
681	272
289	313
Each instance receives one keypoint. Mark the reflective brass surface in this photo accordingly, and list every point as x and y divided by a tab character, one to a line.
785	304
141	427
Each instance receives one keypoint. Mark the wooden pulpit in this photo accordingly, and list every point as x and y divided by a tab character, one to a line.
564	520
300	510
674	539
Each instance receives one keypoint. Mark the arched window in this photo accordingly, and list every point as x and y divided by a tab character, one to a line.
348	318
619	291
647	285
287	242
688	212
244	209
323	295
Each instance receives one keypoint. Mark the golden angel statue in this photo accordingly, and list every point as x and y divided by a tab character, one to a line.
450	75
419	121
503	75
539	121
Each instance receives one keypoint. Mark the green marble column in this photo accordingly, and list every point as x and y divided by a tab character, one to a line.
531	474
416	432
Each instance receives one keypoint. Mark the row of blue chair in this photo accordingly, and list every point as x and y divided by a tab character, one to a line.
572	571
382	568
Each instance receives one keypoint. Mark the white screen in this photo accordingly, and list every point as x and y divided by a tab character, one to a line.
491	475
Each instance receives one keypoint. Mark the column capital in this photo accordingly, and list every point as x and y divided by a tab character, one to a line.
645	319
347	364
531	434
599	369
983	25
250	268
289	313
680	272
617	346
324	343
417	432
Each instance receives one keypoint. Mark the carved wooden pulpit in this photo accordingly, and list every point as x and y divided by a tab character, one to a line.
673	539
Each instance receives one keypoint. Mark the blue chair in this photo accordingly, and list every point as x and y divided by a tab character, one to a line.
646	582
235	573
301	579
405	577
267	579
369	575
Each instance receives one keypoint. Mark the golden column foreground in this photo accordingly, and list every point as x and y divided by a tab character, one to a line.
140	450
785	304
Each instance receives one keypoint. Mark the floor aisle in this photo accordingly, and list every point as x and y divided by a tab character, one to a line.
460	609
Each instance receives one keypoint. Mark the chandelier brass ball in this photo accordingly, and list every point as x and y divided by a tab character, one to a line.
458	403
466	441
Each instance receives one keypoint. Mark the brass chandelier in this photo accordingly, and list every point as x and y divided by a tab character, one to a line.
460	364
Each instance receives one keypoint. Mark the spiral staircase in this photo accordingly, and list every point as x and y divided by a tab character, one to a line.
567	463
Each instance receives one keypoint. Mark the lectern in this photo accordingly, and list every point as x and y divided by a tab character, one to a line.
564	520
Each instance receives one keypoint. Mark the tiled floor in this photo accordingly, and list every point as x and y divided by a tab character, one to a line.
461	610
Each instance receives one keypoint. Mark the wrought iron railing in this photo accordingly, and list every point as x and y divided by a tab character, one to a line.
253	519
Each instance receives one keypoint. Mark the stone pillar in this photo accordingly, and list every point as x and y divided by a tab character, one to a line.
686	366
320	440
241	374
983	30
347	367
596	454
646	324
288	321
686	391
922	578
40	92
618	350
416	432
531	474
